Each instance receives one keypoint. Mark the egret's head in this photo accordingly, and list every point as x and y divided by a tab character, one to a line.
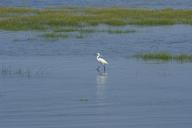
98	54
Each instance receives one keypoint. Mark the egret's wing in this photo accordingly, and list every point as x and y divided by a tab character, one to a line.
103	61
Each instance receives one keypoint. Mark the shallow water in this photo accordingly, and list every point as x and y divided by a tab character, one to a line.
179	4
73	94
174	39
63	88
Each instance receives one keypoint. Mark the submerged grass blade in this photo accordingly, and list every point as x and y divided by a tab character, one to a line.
8	71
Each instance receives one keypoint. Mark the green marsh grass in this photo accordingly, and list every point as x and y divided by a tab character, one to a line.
118	31
80	32
165	57
75	29
21	10
46	19
65	20
92	30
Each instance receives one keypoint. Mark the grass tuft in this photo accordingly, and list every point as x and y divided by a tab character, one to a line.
165	57
118	31
8	71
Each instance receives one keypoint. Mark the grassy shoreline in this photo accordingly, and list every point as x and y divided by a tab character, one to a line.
48	19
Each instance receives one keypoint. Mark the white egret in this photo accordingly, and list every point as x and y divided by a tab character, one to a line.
101	61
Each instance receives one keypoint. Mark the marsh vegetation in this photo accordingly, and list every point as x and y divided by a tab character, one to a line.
44	19
62	21
163	56
23	72
55	83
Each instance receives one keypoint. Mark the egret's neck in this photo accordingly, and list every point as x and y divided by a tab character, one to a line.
98	56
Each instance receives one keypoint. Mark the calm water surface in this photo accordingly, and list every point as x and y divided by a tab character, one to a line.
62	88
179	4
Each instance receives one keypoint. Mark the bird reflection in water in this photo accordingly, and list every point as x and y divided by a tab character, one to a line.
101	85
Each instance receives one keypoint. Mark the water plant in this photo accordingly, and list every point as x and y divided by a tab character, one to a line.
84	99
163	56
8	71
118	31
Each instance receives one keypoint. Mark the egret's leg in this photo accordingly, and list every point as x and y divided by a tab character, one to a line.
98	68
104	68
